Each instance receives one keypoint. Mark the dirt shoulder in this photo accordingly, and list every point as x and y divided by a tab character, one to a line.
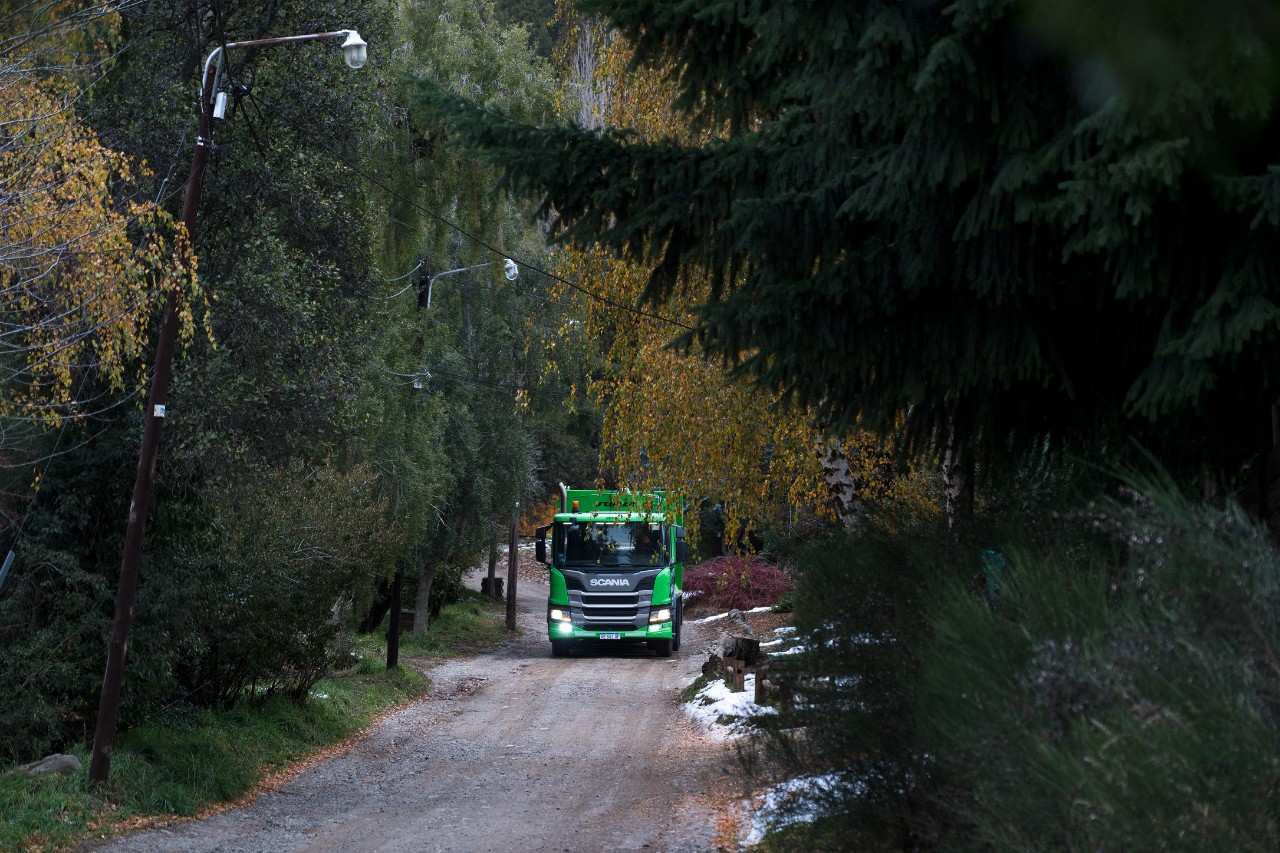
513	750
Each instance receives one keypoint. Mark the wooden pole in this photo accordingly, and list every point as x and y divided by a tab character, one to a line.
393	630
104	733
513	557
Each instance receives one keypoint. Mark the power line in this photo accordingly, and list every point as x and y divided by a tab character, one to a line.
481	242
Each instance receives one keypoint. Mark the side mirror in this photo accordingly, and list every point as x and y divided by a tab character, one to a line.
682	551
540	546
682	546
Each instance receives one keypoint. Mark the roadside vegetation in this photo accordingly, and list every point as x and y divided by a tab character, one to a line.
475	623
326	430
190	759
1094	678
895	296
740	582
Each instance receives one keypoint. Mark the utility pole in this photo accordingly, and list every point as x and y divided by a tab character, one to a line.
109	702
513	559
393	629
493	560
104	733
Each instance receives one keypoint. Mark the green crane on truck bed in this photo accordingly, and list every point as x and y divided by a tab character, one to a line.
617	569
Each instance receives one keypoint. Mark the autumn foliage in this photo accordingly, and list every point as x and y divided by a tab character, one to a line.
673	417
726	583
82	264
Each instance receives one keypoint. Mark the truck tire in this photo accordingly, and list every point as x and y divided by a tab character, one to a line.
662	647
561	648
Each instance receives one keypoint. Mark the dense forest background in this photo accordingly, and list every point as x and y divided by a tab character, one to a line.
323	430
965	315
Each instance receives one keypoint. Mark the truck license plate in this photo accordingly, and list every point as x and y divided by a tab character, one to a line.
611	636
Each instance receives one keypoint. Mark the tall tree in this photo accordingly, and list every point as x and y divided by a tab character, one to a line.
460	366
677	419
962	212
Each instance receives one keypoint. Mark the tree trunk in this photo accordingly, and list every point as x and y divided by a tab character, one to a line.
393	629
842	484
513	560
381	604
422	604
493	565
957	484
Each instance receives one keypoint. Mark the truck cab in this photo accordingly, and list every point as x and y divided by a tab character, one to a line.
616	561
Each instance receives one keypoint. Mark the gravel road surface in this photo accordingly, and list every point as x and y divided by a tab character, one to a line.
511	751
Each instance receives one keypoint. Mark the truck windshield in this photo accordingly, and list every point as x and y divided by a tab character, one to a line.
589	544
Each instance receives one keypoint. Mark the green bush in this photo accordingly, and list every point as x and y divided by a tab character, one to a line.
1127	702
860	605
262	598
1110	682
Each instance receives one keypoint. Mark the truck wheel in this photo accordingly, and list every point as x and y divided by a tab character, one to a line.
662	647
561	648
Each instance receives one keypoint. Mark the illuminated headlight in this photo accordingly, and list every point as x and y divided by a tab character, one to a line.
564	627
663	615
558	615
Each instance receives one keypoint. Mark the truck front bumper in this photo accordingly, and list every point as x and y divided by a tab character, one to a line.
566	631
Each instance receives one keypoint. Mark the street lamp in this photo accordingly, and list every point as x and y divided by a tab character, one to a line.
509	269
212	105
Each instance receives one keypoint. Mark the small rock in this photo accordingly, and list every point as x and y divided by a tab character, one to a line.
57	763
714	667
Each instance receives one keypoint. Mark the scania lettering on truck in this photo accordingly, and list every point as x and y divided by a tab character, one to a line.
617	569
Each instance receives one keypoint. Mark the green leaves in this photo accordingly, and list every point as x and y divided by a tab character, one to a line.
907	206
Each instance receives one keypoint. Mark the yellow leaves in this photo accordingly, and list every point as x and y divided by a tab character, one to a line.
80	274
676	420
71	36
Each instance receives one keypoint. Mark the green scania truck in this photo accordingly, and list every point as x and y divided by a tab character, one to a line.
617	569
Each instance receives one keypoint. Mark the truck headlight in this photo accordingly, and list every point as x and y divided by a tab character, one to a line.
663	615
559	615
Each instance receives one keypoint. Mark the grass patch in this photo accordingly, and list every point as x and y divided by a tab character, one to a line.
826	834
691	692
474	624
190	758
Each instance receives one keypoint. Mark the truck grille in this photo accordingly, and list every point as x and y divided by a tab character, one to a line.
609	609
613	606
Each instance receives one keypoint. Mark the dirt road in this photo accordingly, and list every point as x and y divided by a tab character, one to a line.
511	751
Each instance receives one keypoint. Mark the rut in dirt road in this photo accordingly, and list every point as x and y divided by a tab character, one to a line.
511	751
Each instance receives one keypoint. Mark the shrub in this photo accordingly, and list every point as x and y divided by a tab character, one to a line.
1114	689
1126	702
726	583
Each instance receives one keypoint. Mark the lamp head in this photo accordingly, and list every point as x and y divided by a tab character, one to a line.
355	50
511	270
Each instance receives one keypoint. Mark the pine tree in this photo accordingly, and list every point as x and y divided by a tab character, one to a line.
984	213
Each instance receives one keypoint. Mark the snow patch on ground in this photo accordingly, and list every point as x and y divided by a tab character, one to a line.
726	714
712	618
717	616
793	801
